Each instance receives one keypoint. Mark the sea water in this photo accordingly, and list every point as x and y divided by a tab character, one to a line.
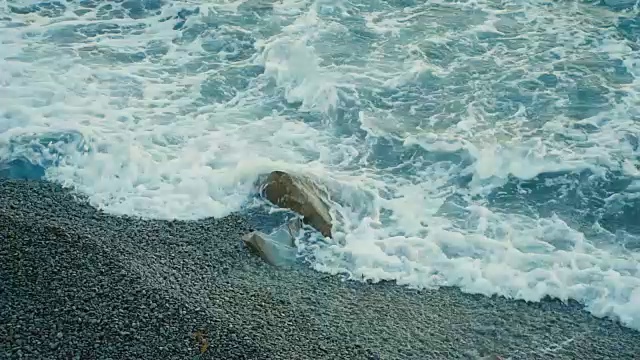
483	144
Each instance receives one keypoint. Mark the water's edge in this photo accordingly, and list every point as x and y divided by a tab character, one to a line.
95	278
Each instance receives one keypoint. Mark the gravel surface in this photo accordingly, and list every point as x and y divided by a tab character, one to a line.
76	283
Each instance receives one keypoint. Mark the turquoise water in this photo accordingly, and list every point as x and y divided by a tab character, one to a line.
488	145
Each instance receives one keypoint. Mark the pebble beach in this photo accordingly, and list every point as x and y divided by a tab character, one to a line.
76	283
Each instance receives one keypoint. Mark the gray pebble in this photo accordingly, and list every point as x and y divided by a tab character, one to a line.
83	284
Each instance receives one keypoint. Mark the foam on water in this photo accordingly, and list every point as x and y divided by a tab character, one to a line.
488	145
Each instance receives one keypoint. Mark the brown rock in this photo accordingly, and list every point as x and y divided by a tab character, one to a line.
301	195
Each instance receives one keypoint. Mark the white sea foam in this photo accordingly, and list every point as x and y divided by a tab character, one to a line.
418	118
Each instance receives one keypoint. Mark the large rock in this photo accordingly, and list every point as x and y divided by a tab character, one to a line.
301	195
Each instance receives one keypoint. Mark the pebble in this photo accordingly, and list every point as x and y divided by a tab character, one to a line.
76	283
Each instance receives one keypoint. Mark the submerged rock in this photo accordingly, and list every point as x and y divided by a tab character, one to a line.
301	195
293	228
269	250
277	248
256	241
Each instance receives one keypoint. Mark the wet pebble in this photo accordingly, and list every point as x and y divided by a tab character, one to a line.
76	283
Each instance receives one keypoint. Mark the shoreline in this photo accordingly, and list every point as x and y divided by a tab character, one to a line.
78	283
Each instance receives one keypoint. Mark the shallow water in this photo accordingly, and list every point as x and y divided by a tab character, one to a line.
488	145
